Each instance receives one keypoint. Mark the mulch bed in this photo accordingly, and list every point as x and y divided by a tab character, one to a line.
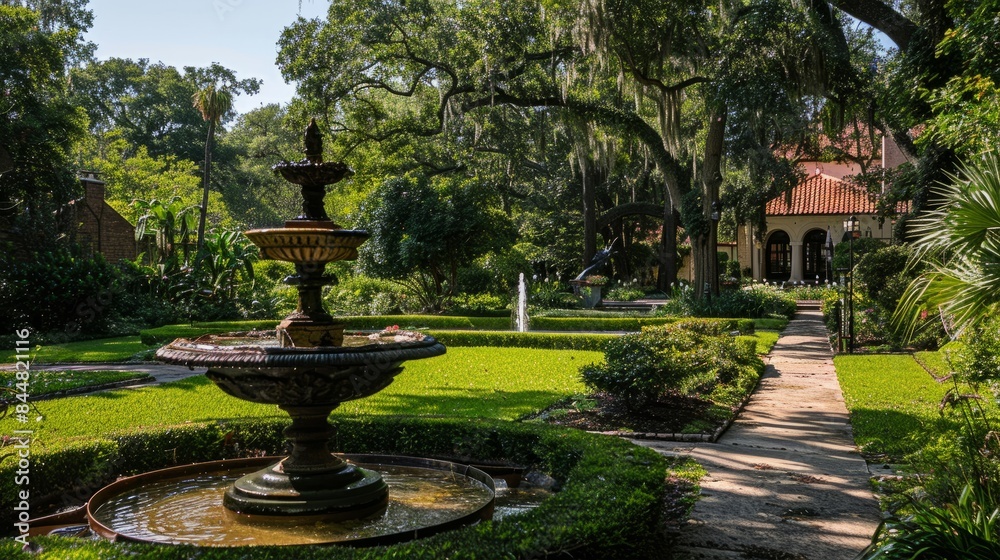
671	414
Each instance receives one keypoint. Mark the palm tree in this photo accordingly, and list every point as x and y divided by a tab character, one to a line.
960	242
213	104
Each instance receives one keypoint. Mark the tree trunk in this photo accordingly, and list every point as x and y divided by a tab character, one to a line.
204	194
704	246
667	276
589	211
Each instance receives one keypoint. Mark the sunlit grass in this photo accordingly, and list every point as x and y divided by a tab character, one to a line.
102	350
497	383
893	403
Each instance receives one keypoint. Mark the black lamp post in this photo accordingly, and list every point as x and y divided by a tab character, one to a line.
851	230
715	215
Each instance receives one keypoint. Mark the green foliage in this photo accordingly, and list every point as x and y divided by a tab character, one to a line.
979	360
364	295
609	504
39	128
960	244
150	104
862	247
625	293
640	367
423	232
967	529
754	301
549	294
59	290
508	339
596	323
811	292
480	304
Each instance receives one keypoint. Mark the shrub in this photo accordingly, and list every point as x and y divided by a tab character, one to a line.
625	293
363	295
552	296
980	358
688	358
641	366
753	301
479	304
58	290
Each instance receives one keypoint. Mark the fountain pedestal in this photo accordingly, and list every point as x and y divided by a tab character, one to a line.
310	481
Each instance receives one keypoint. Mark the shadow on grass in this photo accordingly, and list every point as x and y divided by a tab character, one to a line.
894	434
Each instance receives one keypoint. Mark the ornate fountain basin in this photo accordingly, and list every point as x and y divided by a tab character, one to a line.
307	245
252	367
307	383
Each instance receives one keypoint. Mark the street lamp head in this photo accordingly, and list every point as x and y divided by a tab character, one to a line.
716	211
851	224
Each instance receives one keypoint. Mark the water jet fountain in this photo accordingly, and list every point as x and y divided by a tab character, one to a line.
307	368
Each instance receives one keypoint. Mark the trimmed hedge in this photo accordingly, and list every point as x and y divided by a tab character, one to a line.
165	334
511	339
628	324
609	504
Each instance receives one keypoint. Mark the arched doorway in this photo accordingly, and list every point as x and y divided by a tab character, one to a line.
778	257
814	267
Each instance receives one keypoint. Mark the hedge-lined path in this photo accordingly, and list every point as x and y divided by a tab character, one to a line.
786	480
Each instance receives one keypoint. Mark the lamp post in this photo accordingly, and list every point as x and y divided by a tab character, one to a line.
715	215
851	229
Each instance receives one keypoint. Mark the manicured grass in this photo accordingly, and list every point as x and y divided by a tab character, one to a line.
893	403
47	382
765	341
935	362
119	349
502	383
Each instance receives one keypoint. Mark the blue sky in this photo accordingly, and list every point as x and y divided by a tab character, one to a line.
239	34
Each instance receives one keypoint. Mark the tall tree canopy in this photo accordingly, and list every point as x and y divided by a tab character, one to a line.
150	104
38	126
650	72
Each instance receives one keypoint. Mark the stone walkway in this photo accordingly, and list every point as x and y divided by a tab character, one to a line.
161	373
785	481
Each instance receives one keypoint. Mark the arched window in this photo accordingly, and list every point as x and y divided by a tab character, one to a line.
778	259
814	266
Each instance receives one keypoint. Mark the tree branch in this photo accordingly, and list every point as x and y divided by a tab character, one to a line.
882	17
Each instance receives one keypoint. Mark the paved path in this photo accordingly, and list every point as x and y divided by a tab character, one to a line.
785	481
161	373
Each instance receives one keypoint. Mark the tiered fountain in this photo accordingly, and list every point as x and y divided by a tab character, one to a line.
307	367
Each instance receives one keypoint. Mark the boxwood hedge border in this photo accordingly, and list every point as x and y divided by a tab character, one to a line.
609	504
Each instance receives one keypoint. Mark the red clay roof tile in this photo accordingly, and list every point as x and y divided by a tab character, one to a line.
822	195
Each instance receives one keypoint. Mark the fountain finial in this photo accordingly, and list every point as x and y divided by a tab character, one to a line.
314	142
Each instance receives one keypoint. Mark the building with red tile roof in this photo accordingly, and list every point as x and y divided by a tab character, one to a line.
805	223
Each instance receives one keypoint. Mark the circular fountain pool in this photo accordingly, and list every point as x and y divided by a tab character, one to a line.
183	505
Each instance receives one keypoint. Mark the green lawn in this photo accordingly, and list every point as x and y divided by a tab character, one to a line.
503	383
102	350
893	403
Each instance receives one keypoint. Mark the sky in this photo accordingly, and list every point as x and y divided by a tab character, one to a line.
239	34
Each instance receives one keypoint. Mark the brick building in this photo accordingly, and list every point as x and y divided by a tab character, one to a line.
102	229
